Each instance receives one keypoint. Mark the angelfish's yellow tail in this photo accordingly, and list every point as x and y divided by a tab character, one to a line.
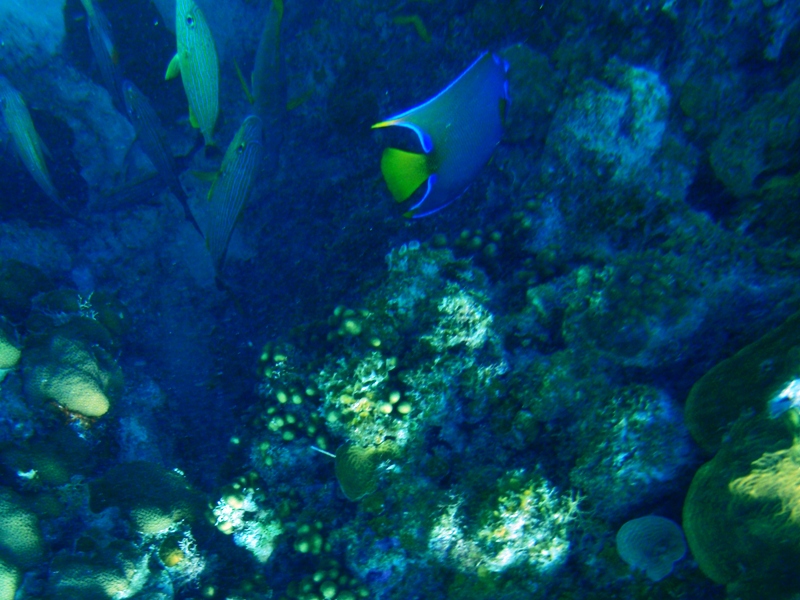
404	172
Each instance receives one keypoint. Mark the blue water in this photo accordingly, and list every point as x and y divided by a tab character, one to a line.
362	405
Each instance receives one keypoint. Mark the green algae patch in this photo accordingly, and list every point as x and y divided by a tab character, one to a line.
743	383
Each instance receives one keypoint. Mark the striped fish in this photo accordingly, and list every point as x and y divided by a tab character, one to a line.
104	51
269	81
231	190
151	136
28	144
196	62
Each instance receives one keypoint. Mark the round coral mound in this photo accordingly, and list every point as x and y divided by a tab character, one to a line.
651	543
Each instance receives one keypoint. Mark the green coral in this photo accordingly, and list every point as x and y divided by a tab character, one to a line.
740	511
744	383
117	570
9	580
330	580
21	539
50	460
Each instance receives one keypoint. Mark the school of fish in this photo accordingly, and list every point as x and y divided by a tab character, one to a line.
457	129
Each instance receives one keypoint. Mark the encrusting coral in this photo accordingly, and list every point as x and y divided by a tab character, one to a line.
154	498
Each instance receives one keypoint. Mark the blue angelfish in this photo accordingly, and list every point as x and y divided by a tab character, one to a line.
458	130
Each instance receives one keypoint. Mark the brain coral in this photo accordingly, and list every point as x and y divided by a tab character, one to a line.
9	580
80	377
9	352
21	540
651	543
742	511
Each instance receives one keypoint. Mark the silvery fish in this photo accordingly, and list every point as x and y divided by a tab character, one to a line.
28	144
105	53
232	187
150	134
269	79
196	62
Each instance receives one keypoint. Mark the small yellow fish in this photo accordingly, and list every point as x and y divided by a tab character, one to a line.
196	62
28	144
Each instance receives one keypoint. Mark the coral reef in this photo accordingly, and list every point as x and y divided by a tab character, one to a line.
348	413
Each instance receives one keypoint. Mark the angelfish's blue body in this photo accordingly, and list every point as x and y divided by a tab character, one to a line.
458	129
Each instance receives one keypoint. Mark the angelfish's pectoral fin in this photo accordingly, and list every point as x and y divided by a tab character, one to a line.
173	69
404	172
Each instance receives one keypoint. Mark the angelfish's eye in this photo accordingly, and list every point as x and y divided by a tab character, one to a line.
190	21
241	148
